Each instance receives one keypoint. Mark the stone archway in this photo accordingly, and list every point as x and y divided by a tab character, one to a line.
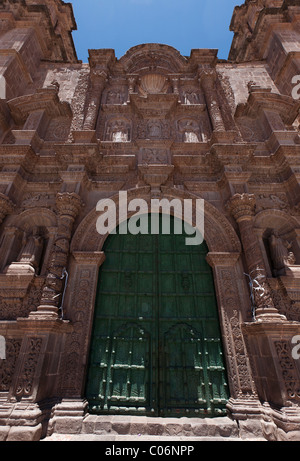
156	346
231	291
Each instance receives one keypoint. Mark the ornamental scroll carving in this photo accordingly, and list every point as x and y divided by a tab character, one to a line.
243	381
77	341
289	373
7	367
14	307
24	386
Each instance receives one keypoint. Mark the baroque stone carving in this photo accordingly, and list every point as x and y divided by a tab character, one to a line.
289	373
118	131
280	254
189	130
68	205
242	207
24	386
7	367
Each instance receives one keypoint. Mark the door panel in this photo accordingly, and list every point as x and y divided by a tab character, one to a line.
156	345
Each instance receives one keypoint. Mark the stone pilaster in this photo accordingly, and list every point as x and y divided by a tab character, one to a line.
98	81
207	80
68	206
242	207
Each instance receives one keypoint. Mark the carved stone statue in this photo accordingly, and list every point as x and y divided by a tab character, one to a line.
32	249
154	129
114	97
191	97
118	131
280	254
191	132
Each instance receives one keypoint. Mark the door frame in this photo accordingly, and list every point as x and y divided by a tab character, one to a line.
157	400
232	298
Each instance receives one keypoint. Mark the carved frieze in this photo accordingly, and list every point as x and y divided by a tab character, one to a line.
288	370
7	366
24	386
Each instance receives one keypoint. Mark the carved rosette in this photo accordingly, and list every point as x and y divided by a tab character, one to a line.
68	206
242	207
6	207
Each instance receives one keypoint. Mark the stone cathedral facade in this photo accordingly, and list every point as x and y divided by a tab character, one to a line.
138	333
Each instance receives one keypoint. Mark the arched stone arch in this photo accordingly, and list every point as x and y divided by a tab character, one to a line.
20	225
219	233
38	216
231	291
287	227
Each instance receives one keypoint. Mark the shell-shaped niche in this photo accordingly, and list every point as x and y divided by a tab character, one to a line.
154	84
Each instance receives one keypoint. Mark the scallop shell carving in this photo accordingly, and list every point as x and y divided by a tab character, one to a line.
154	84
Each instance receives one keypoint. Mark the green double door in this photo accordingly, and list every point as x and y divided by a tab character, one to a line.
156	345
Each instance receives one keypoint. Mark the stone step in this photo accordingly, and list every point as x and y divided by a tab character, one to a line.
140	428
135	438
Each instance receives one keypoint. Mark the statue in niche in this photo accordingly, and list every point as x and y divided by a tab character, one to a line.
280	253
118	131
190	97
191	131
154	129
32	249
114	97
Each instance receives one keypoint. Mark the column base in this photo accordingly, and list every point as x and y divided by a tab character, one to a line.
269	315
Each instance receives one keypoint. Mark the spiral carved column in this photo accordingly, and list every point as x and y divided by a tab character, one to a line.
242	207
68	205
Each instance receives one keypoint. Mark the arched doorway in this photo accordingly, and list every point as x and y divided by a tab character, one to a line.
156	346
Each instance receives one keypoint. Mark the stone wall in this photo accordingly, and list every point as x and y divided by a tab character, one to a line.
157	125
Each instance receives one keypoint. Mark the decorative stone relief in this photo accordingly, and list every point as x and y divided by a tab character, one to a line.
281	254
289	372
7	367
24	387
272	201
154	156
153	84
189	131
118	131
230	302
115	96
58	130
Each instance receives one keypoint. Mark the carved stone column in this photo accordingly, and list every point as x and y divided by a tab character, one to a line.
6	207
68	205
242	207
207	80
98	81
71	409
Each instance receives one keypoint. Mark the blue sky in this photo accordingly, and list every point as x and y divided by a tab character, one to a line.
183	24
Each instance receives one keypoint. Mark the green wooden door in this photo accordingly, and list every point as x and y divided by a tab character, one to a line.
156	345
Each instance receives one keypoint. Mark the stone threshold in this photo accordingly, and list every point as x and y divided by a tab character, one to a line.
142	428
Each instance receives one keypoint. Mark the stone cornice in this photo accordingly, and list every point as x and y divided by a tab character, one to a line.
43	99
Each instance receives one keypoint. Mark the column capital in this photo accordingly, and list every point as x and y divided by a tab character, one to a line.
68	204
242	206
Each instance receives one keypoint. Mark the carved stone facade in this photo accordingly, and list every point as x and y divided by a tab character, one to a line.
157	125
